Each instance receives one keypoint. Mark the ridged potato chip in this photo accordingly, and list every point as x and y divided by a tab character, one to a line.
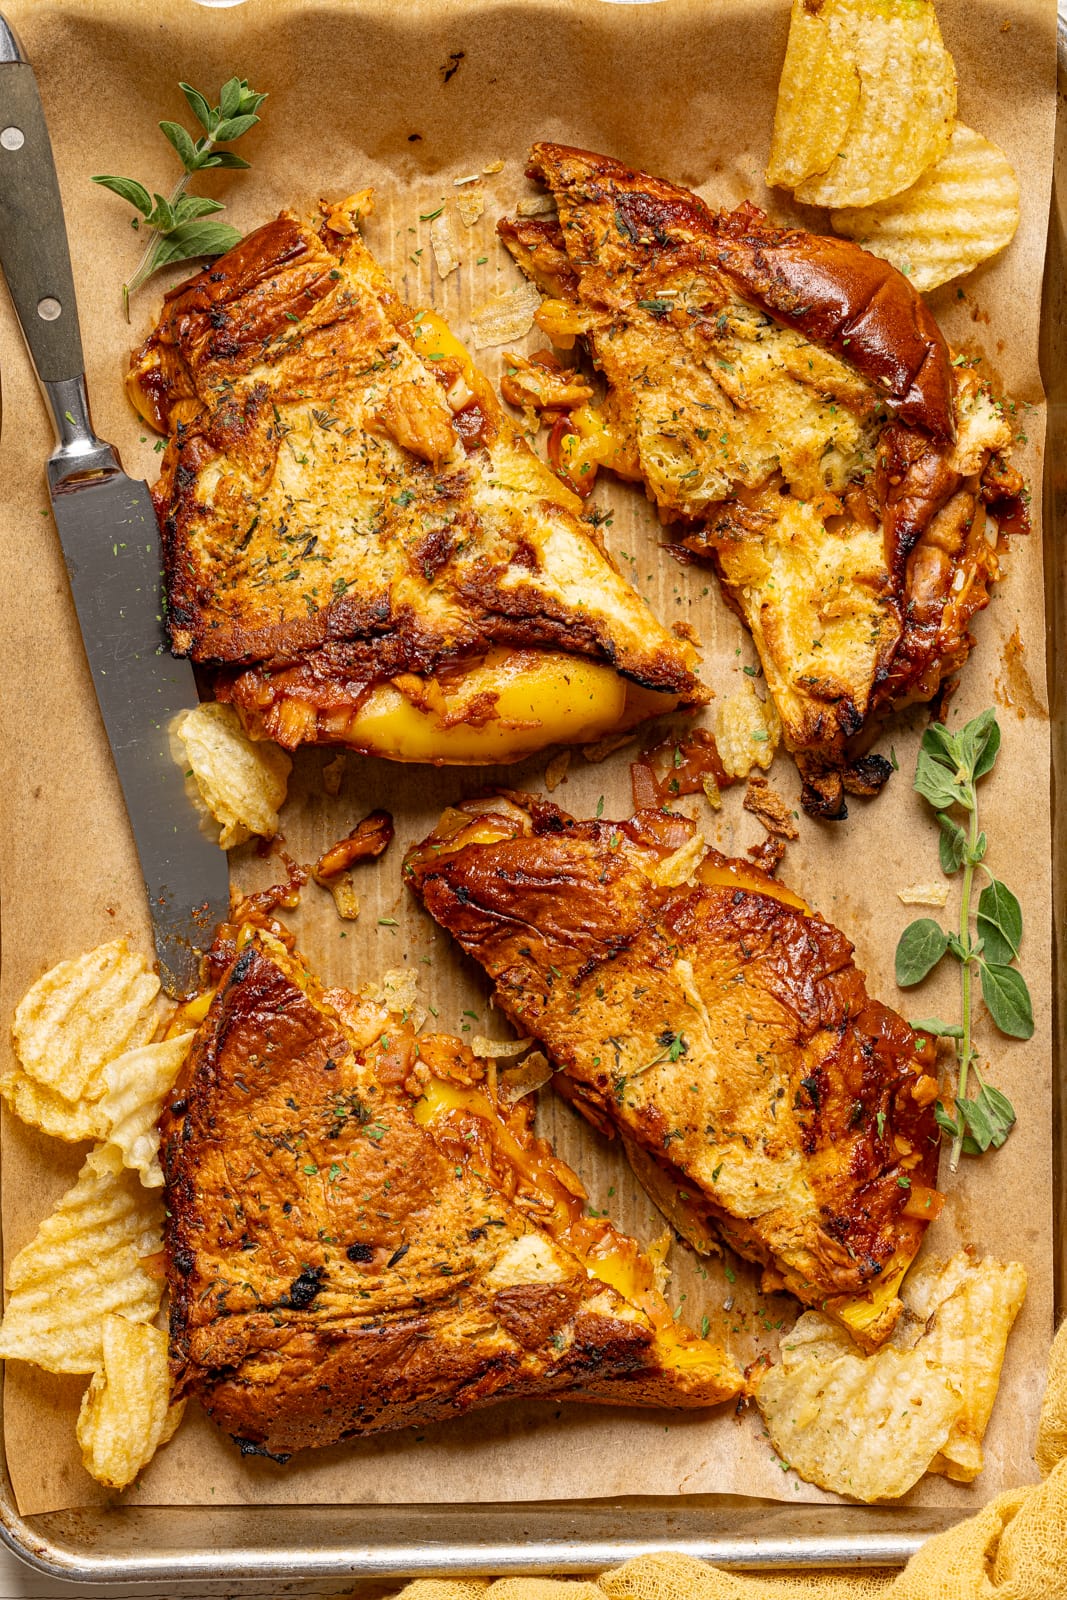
43	1108
817	97
130	1107
126	1413
963	210
866	101
85	1262
861	1426
960	1315
830	1411
80	1015
243	782
747	731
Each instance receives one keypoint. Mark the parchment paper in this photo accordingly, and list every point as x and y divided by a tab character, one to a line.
362	92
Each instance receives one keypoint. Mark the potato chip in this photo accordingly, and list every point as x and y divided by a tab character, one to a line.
861	1426
496	1049
679	867
85	1262
345	899
242	782
79	1015
126	1413
866	102
531	1074
556	770
960	1314
129	1109
470	205
43	1108
817	96
924	894
961	211
444	244
747	731
510	317
951	1340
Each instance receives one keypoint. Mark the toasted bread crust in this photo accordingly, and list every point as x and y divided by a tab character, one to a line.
791	407
341	504
720	1027
832	291
337	1268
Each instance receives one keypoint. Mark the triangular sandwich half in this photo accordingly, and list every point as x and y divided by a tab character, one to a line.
357	539
792	408
361	1235
702	1012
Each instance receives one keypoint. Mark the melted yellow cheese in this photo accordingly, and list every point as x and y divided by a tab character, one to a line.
614	1269
592	444
859	1314
541	698
434	339
733	875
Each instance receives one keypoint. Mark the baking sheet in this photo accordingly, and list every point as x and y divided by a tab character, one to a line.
341	110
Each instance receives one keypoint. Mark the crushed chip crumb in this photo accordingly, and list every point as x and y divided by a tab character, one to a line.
747	731
494	166
470	205
497	1049
531	1074
924	894
538	205
556	770
510	317
679	867
345	898
444	244
603	748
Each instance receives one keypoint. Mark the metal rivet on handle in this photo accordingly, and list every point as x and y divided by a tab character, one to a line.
12	138
48	309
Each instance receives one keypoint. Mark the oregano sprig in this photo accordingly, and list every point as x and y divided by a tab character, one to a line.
946	775
179	231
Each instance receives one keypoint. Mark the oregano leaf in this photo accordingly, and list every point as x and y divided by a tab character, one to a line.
226	158
979	741
191	240
988	753
191	206
230	96
129	189
233	127
940	745
948	1124
919	949
939	1029
182	143
951	846
938	785
1000	922
1005	993
198	106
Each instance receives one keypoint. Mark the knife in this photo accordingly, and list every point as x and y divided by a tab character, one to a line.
110	539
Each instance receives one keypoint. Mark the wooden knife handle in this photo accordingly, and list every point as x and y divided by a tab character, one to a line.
34	254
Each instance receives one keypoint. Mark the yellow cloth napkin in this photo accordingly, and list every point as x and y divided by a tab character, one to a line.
1015	1548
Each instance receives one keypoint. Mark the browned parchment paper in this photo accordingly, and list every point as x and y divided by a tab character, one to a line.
363	92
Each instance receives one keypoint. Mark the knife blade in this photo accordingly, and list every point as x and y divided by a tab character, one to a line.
110	541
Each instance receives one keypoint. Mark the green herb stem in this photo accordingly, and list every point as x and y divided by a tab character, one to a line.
964	1047
145	266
